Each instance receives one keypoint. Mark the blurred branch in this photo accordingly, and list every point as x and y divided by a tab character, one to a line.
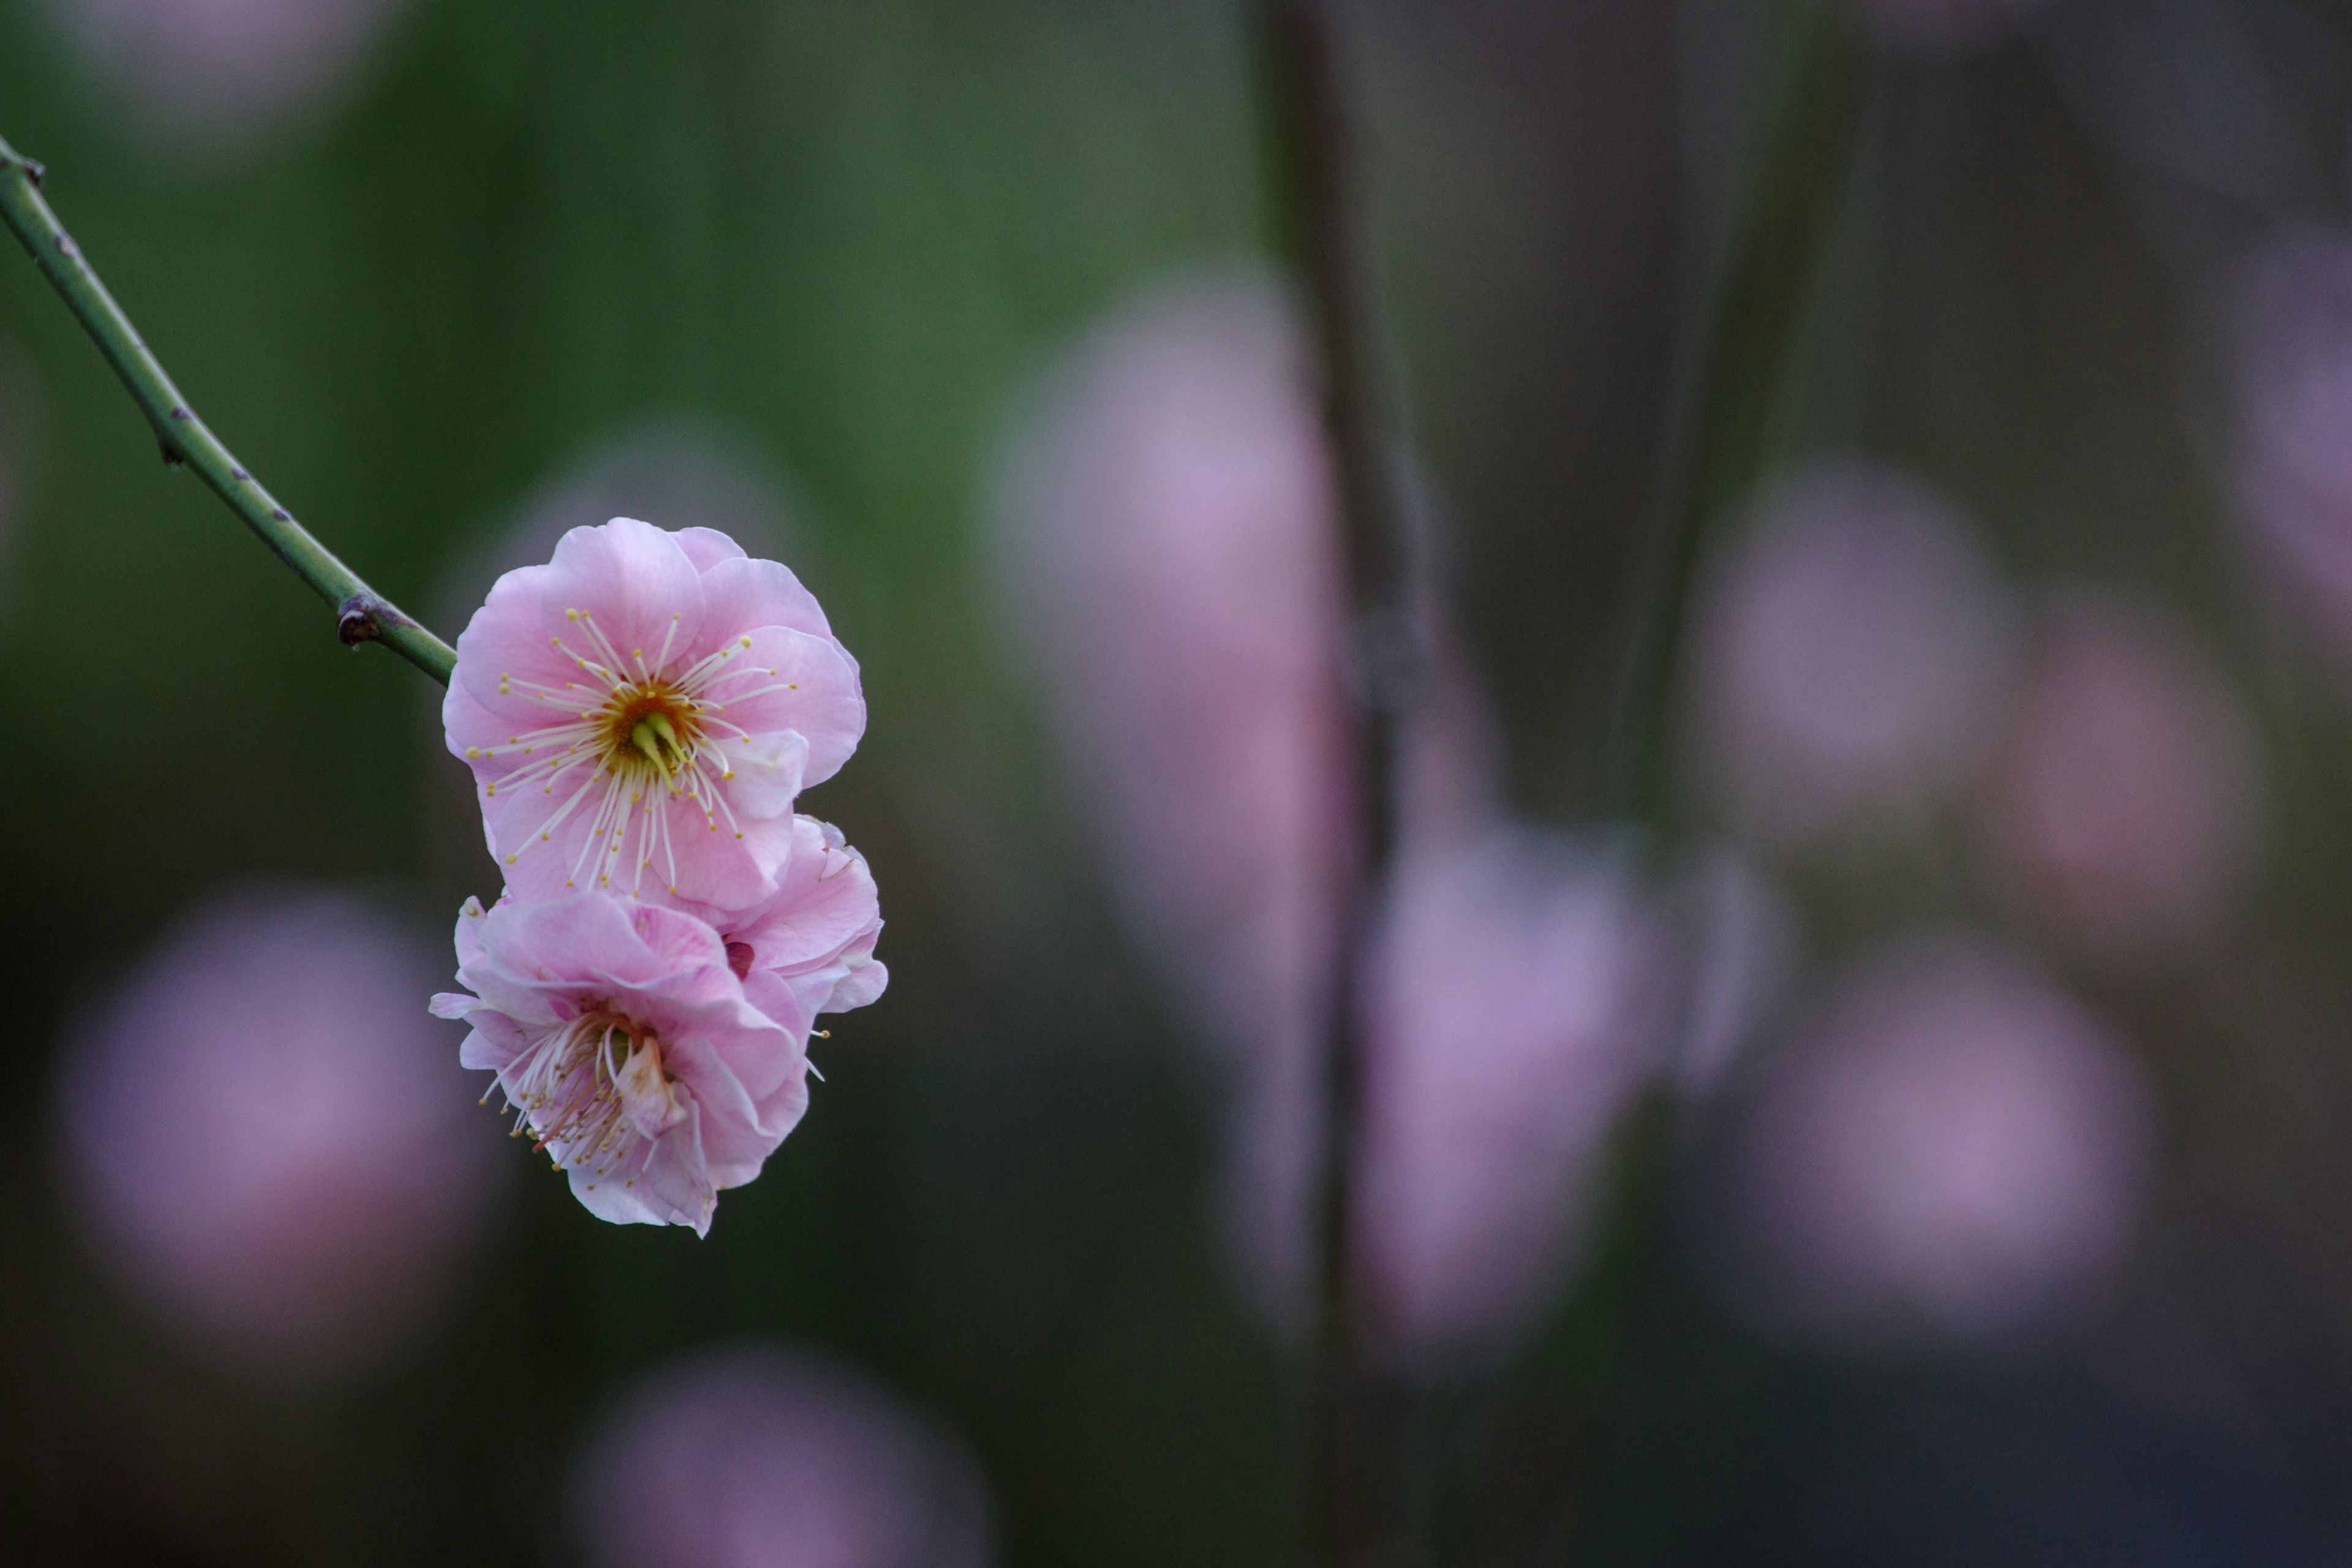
1536	1441
1357	1481
1734	407
361	614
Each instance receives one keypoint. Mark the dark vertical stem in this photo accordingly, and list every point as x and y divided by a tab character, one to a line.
1543	1432
1732	414
1356	1481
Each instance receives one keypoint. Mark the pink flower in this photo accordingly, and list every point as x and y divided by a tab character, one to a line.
626	1041
1513	1000
1852	656
641	712
2293	474
809	949
206	73
1168	555
2125	809
756	1457
1951	1145
256	1130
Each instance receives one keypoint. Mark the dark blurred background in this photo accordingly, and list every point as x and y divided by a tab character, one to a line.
452	277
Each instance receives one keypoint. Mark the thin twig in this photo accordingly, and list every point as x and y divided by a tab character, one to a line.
1356	1483
1733	414
362	614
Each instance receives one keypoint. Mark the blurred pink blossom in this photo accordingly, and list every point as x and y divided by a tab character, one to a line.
2126	807
1948	1146
641	712
216	71
621	1033
1852	653
753	1457
261	1131
1166	535
2294	457
1517	994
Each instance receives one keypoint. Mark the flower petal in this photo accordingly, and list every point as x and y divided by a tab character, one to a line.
744	594
507	638
625	590
791	680
705	547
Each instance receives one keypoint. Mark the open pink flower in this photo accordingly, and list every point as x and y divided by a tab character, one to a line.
641	712
809	948
624	1038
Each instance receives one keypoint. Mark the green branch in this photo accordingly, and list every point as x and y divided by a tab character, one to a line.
1743	377
362	614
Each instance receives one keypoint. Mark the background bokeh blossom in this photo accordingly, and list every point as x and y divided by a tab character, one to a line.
209	74
1721	1222
257	1131
2292	483
1948	1145
2126	807
762	1456
1850	659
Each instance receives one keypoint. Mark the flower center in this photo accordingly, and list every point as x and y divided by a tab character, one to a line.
592	1090
651	724
654	738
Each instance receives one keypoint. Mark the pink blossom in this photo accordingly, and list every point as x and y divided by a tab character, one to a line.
257	1133
1166	535
1513	1000
220	69
1950	1146
641	712
809	948
756	1458
2293	479
1169	543
624	1039
2125	808
1518	990
1853	653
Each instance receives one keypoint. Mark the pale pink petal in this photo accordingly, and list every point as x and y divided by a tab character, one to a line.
507	660
743	594
780	1000
601	939
825	900
671	1185
765	776
861	985
643	595
705	548
791	680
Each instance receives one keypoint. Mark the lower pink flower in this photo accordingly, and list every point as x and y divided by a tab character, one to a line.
626	1041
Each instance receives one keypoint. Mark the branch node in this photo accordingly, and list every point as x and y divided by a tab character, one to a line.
365	617
172	459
